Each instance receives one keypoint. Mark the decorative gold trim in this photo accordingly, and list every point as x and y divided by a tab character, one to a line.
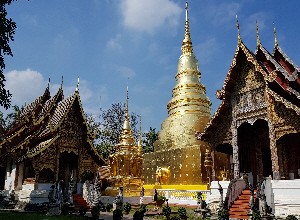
187	72
284	101
189	85
190	100
188	112
44	148
12	136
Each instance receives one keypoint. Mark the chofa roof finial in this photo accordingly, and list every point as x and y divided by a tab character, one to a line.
238	27
276	44
258	40
77	85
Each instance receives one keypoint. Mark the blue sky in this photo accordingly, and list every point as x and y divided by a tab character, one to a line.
105	42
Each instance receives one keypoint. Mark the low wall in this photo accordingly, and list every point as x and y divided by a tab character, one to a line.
286	197
131	200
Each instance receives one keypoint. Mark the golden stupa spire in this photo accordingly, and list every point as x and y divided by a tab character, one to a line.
48	83
238	27
187	47
126	122
258	40
276	44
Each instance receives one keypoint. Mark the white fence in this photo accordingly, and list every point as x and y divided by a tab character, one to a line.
184	196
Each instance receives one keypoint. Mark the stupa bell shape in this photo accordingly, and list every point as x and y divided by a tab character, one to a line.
189	109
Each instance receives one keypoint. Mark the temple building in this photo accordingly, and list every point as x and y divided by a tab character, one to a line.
178	158
125	165
258	121
49	141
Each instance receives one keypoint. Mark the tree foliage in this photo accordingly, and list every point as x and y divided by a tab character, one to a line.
110	128
7	30
149	138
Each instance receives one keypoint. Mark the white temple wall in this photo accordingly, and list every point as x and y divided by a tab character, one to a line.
10	174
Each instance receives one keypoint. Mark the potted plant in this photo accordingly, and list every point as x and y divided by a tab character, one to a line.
108	207
256	216
166	211
82	210
143	209
160	200
65	209
223	214
182	213
117	214
138	215
291	217
127	208
95	212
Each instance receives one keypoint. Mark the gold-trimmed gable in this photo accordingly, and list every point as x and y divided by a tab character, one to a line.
251	58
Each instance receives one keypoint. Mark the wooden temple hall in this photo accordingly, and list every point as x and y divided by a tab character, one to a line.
258	121
49	141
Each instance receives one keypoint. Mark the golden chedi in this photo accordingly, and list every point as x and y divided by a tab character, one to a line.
125	164
178	158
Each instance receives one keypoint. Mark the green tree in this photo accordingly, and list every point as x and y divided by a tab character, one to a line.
7	30
110	128
12	117
149	138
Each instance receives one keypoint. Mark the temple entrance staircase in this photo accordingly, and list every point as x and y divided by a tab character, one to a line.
78	201
240	206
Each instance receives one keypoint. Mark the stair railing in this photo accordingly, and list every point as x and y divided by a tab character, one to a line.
235	188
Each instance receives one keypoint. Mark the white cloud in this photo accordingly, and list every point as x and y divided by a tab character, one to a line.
25	85
124	71
148	15
28	85
114	43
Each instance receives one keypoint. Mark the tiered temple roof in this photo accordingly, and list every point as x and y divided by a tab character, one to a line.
280	74
38	126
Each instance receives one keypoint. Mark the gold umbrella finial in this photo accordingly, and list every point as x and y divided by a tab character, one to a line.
187	47
238	27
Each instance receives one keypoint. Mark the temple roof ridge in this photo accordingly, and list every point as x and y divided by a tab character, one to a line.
29	109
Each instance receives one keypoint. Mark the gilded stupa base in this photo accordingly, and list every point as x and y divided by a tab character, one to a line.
179	166
132	186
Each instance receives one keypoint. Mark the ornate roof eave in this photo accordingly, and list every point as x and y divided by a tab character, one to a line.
96	152
286	103
278	66
277	48
24	117
30	155
251	58
14	135
53	104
